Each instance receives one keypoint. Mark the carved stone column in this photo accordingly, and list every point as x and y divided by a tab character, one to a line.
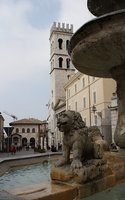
118	73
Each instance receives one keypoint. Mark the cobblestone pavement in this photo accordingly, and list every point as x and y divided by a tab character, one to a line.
20	154
23	152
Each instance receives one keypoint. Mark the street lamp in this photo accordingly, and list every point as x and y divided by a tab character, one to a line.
95	117
94	109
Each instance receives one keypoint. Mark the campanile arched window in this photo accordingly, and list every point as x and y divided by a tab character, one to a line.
60	41
60	62
68	63
67	44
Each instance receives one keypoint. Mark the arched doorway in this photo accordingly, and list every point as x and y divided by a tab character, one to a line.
16	140
32	142
24	142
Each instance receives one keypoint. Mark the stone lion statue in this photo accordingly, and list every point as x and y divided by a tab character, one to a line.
85	143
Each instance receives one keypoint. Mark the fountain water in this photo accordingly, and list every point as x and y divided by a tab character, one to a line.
26	175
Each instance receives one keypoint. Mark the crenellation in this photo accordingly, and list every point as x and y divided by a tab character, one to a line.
67	26
58	25
54	25
61	27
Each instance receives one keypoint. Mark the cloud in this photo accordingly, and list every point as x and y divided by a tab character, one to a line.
24	60
25	52
75	12
23	47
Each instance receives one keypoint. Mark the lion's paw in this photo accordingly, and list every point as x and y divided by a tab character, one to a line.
76	164
98	151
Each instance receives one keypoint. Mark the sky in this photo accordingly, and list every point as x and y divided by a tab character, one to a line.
25	50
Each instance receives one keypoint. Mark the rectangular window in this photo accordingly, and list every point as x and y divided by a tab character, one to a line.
75	88
94	97
68	92
84	102
83	82
76	106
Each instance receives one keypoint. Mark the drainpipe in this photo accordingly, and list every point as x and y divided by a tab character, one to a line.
89	100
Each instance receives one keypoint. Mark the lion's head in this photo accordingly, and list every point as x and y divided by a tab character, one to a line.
70	120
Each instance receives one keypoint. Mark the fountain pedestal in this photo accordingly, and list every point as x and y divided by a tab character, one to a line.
94	177
92	169
118	73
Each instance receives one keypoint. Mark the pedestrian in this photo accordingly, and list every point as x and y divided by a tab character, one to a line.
12	148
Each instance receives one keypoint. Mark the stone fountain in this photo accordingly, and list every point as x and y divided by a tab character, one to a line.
98	49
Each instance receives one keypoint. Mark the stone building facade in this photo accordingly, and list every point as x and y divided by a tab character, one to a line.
60	70
91	97
26	132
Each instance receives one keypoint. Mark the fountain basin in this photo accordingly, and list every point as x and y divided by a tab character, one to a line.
102	7
46	191
99	45
26	175
64	185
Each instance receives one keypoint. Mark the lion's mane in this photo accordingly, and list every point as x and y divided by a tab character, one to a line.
77	122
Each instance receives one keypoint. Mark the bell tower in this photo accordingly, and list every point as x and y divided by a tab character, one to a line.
60	66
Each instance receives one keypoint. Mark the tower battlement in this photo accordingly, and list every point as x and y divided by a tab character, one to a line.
62	27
